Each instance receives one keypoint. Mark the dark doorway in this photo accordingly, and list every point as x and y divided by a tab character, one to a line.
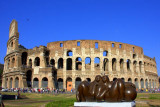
29	78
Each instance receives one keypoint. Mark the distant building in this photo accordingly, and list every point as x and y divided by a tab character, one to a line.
64	64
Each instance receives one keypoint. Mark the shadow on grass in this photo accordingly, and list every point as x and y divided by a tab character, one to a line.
13	97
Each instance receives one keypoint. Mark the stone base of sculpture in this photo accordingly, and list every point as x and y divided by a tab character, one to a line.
105	104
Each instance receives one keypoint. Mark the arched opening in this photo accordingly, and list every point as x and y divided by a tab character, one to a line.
52	62
60	63
134	66
37	61
88	79
88	63
142	83
69	84
140	66
11	81
29	78
123	79
13	62
69	53
24	58
77	82
114	79
35	83
146	83
121	64
136	83
128	64
130	80
105	64
8	63
78	63
105	53
60	83
12	45
69	64
44	82
16	82
114	64
30	62
97	63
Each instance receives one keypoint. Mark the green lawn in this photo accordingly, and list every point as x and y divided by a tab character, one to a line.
67	100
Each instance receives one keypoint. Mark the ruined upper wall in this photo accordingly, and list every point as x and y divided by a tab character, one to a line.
13	29
87	44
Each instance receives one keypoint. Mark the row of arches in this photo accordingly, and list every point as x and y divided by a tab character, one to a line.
87	62
69	85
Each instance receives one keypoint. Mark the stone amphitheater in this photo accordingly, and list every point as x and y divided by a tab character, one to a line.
64	64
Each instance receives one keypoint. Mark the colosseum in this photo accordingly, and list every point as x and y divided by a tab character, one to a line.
64	64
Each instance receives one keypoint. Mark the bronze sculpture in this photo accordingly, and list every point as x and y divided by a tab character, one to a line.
102	89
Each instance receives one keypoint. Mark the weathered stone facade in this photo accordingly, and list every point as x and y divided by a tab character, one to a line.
63	64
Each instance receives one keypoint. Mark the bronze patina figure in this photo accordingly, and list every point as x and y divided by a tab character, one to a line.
102	89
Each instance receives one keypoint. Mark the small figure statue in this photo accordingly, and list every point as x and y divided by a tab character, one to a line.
102	89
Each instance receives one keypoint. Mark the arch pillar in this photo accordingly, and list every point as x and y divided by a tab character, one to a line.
64	83
13	82
64	64
110	66
142	68
73	64
56	63
125	66
83	64
101	64
131	66
92	64
73	82
40	82
50	82
118	65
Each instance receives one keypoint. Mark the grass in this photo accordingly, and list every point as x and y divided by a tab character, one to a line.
67	100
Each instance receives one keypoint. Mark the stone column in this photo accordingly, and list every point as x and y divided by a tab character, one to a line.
110	66
64	64
40	82
142	68
83	63
137	68
3	82
73	64
139	83
13	82
92	63
131	67
125	66
118	65
101	60
56	63
64	83
73	82
101	64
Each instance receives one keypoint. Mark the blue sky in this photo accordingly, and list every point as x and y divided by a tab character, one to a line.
134	22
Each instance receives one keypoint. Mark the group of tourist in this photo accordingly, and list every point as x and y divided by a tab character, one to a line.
40	90
56	91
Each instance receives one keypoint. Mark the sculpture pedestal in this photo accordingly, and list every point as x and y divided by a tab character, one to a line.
105	104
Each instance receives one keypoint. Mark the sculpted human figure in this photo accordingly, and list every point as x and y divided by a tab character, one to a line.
87	91
102	89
